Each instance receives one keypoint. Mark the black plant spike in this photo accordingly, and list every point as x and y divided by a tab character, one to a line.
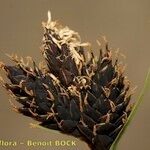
77	95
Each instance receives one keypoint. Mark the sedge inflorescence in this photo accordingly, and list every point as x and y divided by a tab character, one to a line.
78	95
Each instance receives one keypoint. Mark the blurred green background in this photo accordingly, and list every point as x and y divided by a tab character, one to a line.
125	23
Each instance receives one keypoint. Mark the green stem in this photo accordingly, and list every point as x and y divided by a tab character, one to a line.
131	116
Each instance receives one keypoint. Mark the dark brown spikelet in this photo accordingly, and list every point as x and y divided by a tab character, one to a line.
75	94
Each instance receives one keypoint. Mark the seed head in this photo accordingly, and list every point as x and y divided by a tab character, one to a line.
82	96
